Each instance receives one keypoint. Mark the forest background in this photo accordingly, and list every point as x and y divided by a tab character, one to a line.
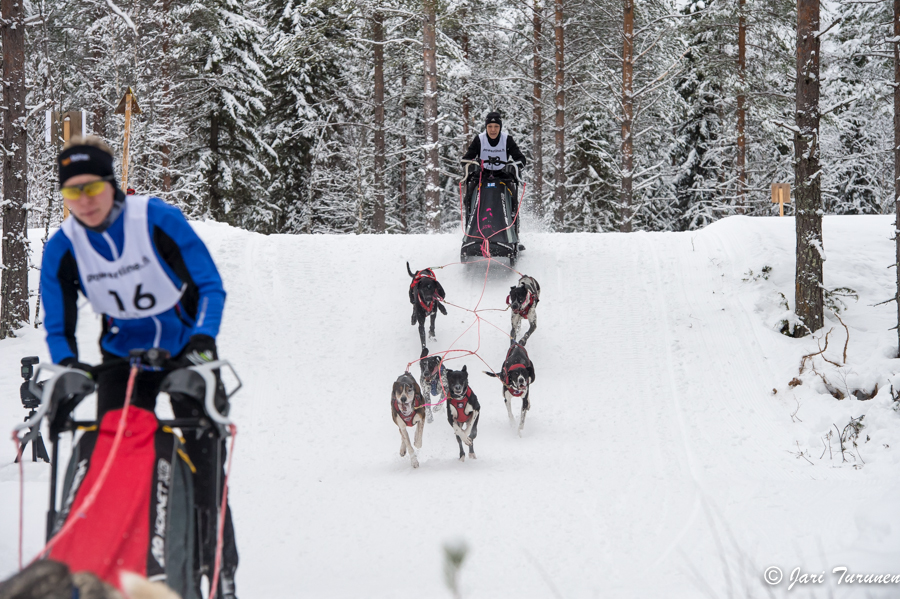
330	116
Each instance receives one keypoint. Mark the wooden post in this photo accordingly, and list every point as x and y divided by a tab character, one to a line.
127	138
781	195
67	135
127	106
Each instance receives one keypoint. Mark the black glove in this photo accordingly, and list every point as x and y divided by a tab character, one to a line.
199	350
71	362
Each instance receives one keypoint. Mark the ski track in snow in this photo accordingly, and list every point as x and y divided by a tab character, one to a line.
655	460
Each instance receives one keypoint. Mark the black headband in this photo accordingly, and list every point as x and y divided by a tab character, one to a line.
84	160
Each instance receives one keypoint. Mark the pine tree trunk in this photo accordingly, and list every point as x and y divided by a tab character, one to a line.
464	42
559	192
537	117
215	197
404	194
741	109
166	105
378	50
14	285
897	155
100	107
430	105
808	291
627	115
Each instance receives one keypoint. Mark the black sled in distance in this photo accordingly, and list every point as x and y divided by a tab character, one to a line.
492	213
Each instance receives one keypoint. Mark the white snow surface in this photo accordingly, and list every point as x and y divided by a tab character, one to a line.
665	454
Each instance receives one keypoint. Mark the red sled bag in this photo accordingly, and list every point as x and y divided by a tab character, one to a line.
142	519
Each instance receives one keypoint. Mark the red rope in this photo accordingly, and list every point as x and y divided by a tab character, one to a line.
19	451
486	257
221	524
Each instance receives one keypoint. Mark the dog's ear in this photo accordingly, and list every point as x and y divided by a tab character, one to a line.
424	352
396	390
531	372
464	369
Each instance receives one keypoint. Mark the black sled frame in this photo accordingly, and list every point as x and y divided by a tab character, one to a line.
68	387
491	211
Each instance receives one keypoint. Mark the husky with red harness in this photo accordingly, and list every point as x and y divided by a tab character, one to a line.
523	300
408	409
517	376
425	294
462	411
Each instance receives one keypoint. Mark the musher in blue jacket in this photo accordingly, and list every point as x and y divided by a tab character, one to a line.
142	266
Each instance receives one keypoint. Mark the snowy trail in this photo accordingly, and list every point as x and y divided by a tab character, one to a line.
655	460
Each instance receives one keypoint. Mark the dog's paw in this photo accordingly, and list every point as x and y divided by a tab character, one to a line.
472	455
403	451
415	462
431	335
428	417
417	444
462	458
467	440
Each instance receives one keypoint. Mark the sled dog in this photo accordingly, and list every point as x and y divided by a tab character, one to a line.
425	294
517	376
462	410
433	379
523	300
408	409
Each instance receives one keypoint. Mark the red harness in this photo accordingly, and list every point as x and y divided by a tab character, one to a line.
523	311
509	387
460	406
425	274
412	414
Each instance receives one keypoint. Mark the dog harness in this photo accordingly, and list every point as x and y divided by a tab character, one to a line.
425	274
510	388
523	311
412	413
460	405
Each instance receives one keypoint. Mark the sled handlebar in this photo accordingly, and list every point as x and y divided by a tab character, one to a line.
45	389
514	163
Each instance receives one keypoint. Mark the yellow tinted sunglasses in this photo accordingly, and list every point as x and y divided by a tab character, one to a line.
73	192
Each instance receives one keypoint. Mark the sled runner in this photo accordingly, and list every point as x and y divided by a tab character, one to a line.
132	506
492	212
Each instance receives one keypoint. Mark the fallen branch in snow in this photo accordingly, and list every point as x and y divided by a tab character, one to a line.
818	353
794	416
827	447
800	454
848	335
841	441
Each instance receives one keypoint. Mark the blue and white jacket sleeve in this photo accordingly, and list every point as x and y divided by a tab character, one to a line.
59	296
185	255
